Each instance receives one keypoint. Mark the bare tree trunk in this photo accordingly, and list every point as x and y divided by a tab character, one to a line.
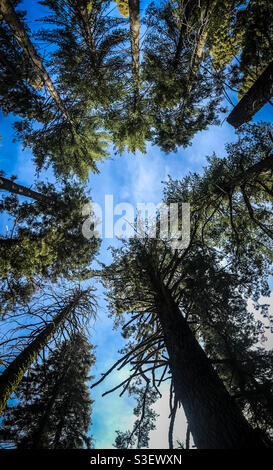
19	32
87	28
215	420
12	187
134	38
205	19
134	34
256	97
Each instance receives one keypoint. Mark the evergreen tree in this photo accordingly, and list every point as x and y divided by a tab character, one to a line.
90	73
184	99
233	198
70	310
47	239
69	137
54	407
11	18
146	281
19	84
243	30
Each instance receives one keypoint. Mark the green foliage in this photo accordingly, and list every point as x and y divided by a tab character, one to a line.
17	94
69	151
242	30
257	23
46	240
123	7
234	197
183	98
53	408
225	36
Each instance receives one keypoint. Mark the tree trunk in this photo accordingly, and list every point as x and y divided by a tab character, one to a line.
134	34
134	38
87	29
13	374
179	46
39	434
12	187
205	19
20	34
61	423
262	168
256	97
215	420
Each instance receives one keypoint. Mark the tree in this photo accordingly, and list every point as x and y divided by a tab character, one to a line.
69	137
255	98
61	312
184	99
142	281
244	33
232	201
90	72
19	85
46	238
54	406
134	39
234	196
8	13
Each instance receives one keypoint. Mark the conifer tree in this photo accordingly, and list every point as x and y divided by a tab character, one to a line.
184	98
69	137
234	196
54	407
47	236
71	310
19	85
158	290
146	417
10	17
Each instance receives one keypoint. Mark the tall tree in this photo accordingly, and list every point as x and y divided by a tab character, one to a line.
146	417
47	235
234	196
184	98
64	311
243	30
54	405
11	18
19	85
142	281
134	39
70	138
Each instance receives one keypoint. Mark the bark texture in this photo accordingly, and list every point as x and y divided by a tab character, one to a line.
13	374
215	420
256	97
12	187
20	34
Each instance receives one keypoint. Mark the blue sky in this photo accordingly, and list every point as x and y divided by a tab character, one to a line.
130	178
